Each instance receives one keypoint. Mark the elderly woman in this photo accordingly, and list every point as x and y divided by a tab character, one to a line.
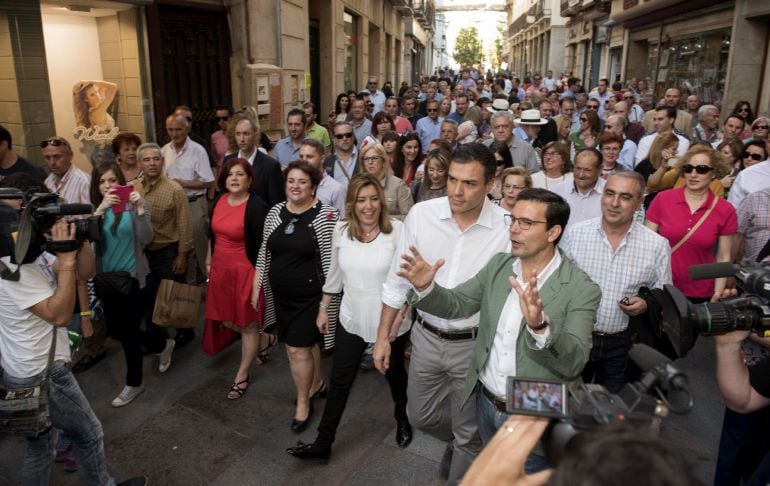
292	266
695	220
374	160
362	250
515	180
760	130
610	144
557	167
124	147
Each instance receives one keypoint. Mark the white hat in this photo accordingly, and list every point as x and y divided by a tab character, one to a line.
530	117
498	104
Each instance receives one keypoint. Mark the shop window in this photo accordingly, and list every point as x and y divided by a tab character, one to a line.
351	51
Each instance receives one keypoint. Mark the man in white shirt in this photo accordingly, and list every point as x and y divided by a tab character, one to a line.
602	95
621	256
550	82
537	310
187	163
635	112
663	121
748	181
465	230
376	96
584	192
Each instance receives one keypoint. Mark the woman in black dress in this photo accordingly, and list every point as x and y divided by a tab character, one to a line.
291	267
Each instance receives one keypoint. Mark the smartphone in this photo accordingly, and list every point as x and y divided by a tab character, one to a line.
543	398
123	192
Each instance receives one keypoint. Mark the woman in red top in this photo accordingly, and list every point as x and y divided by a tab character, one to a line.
675	211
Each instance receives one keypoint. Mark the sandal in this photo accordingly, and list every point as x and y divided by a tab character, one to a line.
236	389
263	355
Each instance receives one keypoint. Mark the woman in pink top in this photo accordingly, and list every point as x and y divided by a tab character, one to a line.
675	211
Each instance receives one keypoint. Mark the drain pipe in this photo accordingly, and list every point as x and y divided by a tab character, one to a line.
278	52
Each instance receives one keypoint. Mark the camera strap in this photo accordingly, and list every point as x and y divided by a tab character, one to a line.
697	225
21	246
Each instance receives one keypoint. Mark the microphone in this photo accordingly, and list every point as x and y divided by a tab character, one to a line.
713	270
672	381
64	209
646	357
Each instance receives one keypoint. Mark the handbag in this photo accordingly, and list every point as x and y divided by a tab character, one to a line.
24	412
110	284
696	226
177	305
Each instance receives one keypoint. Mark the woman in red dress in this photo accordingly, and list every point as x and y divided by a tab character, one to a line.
236	234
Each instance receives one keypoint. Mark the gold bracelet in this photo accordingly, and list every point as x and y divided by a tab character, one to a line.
86	313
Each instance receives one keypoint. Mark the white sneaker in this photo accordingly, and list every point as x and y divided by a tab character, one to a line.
127	395
165	356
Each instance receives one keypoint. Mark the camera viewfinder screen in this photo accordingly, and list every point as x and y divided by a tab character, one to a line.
539	397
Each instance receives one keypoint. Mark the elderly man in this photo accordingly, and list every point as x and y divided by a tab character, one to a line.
71	183
268	180
536	310
528	128
621	256
342	164
172	239
522	153
428	128
376	96
708	124
618	124
548	132
584	192
362	126
286	150
635	113
401	124
693	105
569	108
663	121
683	122
449	132
187	163
633	130
312	128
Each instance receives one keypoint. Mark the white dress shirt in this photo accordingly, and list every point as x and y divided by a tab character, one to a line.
189	164
431	229
643	258
502	357
646	142
749	180
581	206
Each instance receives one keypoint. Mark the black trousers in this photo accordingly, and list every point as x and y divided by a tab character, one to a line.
349	349
124	316
160	262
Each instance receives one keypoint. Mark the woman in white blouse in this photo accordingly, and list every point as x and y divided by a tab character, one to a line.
363	248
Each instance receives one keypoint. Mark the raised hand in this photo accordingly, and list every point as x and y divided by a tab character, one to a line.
415	269
529	300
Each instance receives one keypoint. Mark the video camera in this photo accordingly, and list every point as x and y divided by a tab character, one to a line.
23	231
682	320
662	388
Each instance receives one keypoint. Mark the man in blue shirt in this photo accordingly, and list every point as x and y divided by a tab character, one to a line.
287	149
429	127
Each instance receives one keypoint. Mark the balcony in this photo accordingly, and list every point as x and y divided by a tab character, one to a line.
419	8
424	13
402	5
570	8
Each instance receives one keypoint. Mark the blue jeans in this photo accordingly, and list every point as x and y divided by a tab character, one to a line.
607	362
489	419
71	413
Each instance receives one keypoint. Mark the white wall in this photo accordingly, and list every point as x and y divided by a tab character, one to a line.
72	53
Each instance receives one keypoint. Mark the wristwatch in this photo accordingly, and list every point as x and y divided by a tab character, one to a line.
543	322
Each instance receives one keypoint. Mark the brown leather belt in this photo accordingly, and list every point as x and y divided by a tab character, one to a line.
453	335
498	402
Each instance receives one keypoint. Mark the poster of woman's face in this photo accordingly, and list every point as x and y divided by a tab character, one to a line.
91	102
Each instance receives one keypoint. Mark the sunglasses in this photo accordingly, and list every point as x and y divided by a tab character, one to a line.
751	156
289	229
761	127
54	142
592	107
340	136
221	118
628	97
700	169
432	110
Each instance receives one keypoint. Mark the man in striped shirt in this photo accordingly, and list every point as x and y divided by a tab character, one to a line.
66	180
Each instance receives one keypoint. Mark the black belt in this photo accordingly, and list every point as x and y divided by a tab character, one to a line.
194	198
453	335
618	335
498	402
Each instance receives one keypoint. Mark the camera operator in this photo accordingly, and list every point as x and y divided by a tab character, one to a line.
746	390
44	296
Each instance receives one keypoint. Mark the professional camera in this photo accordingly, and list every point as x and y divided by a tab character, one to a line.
682	320
34	219
661	389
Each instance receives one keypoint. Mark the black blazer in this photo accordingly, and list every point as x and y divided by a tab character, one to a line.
254	221
269	184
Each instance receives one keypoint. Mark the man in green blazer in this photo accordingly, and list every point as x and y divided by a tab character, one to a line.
537	309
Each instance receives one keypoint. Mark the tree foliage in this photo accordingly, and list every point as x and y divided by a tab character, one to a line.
467	49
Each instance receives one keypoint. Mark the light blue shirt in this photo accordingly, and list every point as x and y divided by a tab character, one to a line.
284	152
428	130
362	130
627	154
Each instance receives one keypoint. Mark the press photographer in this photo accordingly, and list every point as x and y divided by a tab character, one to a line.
37	297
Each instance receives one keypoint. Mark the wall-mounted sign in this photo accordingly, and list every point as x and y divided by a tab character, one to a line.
90	103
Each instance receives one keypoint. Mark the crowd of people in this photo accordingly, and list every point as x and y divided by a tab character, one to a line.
455	233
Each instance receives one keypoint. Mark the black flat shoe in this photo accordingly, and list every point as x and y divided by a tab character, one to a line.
311	451
298	426
321	392
403	434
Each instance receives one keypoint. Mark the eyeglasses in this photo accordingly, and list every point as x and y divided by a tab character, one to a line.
761	127
289	229
592	107
751	156
700	169
524	223
340	136
221	118
55	142
373	158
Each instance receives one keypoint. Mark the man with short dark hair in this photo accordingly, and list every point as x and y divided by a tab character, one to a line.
584	192
376	96
683	122
401	124
268	180
342	164
409	110
573	88
11	162
328	191
663	122
731	130
461	106
312	128
621	256
429	127
602	95
465	230
286	150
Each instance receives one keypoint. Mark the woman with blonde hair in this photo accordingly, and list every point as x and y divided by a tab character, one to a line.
656	163
563	128
675	178
515	180
433	184
374	161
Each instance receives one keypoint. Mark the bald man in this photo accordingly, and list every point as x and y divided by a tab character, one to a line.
633	130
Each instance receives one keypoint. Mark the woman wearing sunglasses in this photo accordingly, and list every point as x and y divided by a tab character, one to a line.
760	130
292	266
743	111
694	220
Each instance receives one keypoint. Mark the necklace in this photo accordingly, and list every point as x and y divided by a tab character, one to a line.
369	236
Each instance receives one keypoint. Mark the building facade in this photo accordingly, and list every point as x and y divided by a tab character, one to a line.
536	35
149	56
